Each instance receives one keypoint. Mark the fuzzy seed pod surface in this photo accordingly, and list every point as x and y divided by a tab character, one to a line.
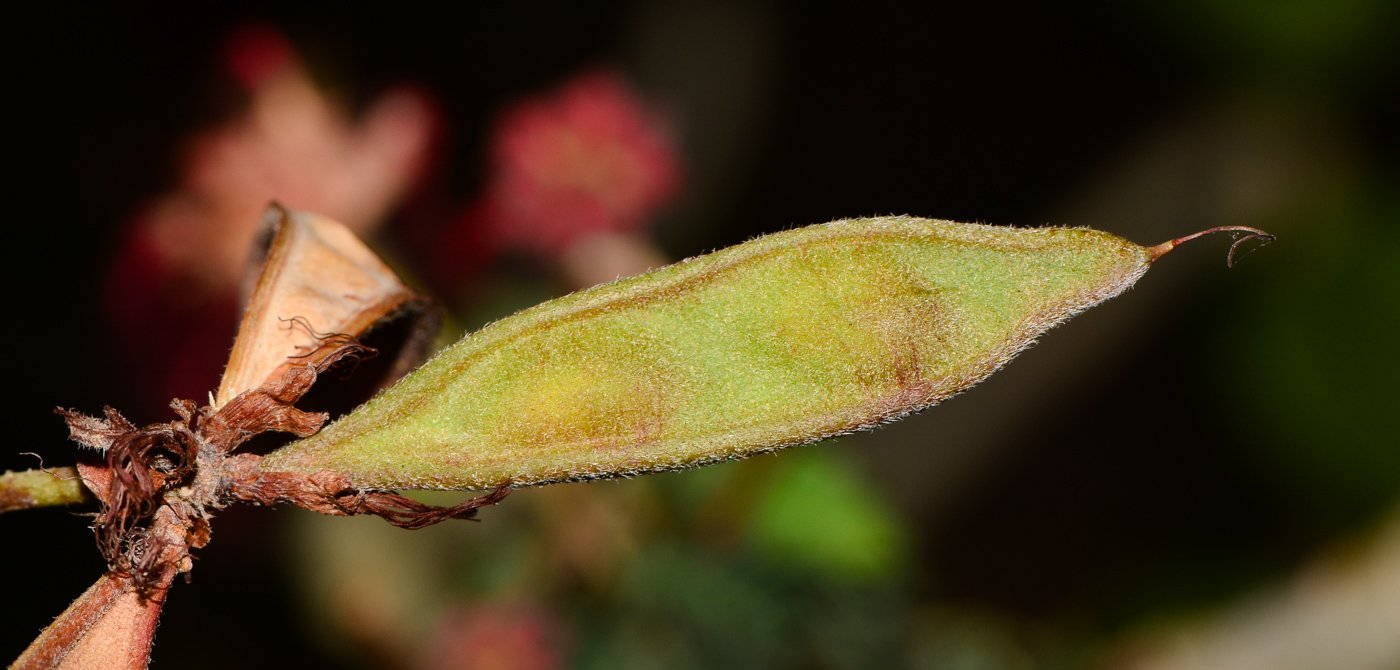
787	339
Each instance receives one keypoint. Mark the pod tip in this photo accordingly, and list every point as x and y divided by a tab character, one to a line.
1160	250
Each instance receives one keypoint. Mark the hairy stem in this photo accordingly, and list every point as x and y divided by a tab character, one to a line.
42	488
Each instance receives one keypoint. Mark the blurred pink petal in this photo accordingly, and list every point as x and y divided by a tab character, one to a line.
602	257
255	52
186	251
496	637
592	157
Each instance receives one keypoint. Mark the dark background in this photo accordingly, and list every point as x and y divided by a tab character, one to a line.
1140	484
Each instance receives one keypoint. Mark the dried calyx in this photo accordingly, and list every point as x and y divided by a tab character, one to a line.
158	484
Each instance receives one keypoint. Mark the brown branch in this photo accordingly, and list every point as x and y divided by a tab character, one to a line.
109	626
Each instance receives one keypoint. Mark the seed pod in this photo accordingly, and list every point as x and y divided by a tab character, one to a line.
783	340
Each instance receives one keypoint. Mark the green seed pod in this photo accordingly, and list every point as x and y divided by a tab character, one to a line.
786	339
41	488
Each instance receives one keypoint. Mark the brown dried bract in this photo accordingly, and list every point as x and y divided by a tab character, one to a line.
184	469
307	269
158	485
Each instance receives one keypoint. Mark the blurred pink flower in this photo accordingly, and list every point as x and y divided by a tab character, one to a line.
293	143
172	293
496	637
591	157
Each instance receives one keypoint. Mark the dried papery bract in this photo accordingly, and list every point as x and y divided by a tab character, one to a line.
317	288
312	279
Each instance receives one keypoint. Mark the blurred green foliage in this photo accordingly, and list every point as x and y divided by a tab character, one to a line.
1283	42
819	515
1306	363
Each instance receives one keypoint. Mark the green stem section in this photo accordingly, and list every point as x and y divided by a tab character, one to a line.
41	488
